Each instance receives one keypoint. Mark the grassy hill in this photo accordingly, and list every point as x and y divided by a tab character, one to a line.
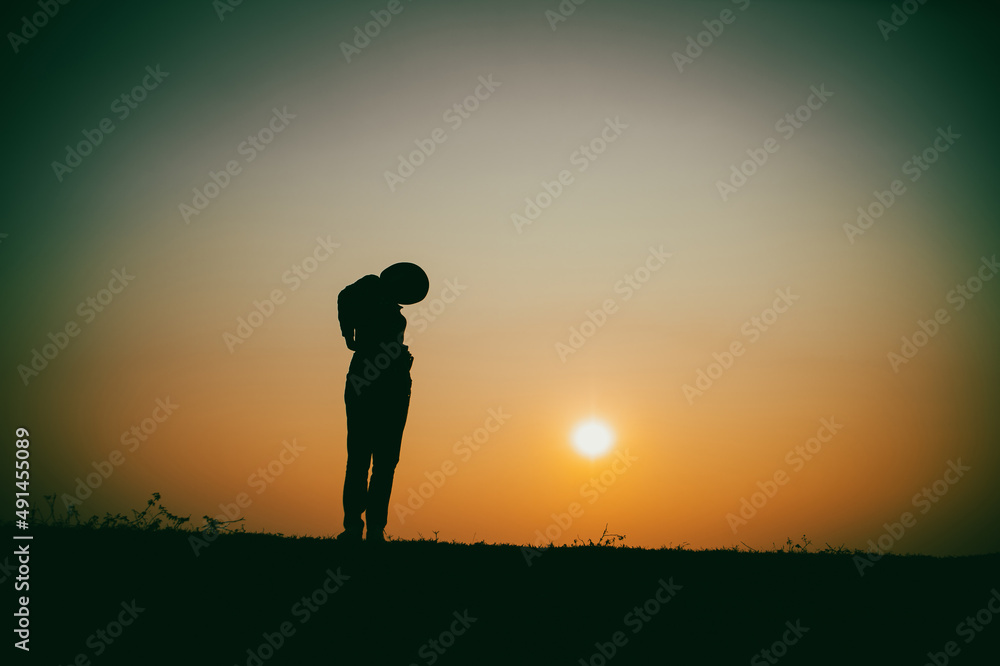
133	596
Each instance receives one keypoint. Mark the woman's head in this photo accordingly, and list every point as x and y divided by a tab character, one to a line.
405	283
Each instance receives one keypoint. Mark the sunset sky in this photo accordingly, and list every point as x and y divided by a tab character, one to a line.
583	196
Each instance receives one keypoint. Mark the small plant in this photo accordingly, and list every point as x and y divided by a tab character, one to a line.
791	547
38	517
604	540
421	537
839	550
153	516
215	526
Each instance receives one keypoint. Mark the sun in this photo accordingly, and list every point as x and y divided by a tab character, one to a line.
592	438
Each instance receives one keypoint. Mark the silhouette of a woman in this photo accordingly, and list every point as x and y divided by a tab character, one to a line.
377	394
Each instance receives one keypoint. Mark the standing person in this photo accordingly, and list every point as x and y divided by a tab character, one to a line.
377	394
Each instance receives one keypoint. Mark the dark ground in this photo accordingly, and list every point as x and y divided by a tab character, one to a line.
213	608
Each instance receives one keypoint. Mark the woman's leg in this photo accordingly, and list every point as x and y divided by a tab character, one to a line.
391	421
360	436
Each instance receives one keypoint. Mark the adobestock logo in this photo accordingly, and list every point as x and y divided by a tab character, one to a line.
260	480
464	448
250	148
88	309
364	34
122	106
563	11
796	458
584	156
915	167
901	13
752	329
969	629
636	619
923	500
454	115
428	311
133	438
786	126
627	286
263	310
696	44
31	24
958	298
590	491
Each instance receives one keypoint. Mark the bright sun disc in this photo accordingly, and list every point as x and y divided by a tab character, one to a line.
592	438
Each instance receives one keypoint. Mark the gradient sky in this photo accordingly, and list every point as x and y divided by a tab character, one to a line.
515	291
